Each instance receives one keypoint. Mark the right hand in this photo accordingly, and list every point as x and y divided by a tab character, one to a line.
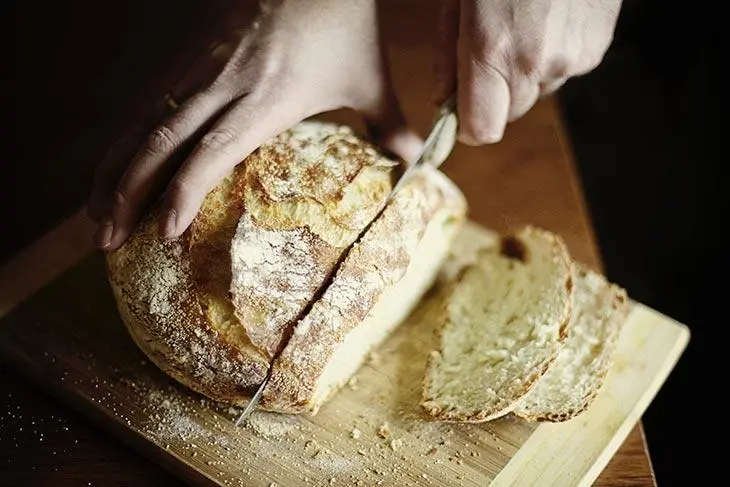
300	59
500	56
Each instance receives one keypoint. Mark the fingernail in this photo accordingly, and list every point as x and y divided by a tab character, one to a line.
168	224
482	139
103	234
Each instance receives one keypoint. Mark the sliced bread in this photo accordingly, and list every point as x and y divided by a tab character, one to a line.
506	319
573	380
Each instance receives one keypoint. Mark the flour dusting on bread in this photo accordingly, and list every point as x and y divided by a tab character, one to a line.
160	304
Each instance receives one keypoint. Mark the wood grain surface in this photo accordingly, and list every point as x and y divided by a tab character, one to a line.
529	177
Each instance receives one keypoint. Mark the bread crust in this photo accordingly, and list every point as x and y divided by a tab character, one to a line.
200	306
314	188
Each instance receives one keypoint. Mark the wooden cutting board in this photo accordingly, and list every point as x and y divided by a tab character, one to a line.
68	338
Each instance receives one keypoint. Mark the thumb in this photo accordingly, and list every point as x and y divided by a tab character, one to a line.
445	50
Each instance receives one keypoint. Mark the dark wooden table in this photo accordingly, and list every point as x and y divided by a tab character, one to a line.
529	177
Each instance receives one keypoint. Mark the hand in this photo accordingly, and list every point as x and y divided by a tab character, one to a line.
500	56
298	60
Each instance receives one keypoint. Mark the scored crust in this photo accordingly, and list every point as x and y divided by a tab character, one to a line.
574	379
308	194
506	319
376	263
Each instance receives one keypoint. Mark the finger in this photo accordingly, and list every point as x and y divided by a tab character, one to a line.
387	126
154	161
483	102
523	95
445	65
389	129
110	170
247	125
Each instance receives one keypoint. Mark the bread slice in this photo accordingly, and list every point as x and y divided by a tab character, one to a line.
307	195
573	380
379	282
210	307
506	319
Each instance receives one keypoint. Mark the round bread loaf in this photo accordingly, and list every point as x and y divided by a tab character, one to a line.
211	307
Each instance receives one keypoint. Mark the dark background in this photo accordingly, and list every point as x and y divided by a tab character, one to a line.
644	127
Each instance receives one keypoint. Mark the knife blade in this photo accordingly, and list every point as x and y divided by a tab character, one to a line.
436	149
438	145
254	400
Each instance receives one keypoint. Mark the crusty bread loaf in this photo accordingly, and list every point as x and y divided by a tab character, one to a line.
211	315
382	278
505	321
212	307
573	380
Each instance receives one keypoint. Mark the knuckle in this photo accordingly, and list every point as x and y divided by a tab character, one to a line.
219	139
180	188
591	56
121	198
590	62
561	66
530	62
488	70
486	37
161	140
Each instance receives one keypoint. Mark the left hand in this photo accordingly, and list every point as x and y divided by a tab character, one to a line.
300	59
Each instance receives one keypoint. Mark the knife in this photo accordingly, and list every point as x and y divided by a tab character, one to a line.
436	149
255	399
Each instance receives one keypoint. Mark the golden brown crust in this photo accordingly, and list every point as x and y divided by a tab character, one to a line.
314	188
376	262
